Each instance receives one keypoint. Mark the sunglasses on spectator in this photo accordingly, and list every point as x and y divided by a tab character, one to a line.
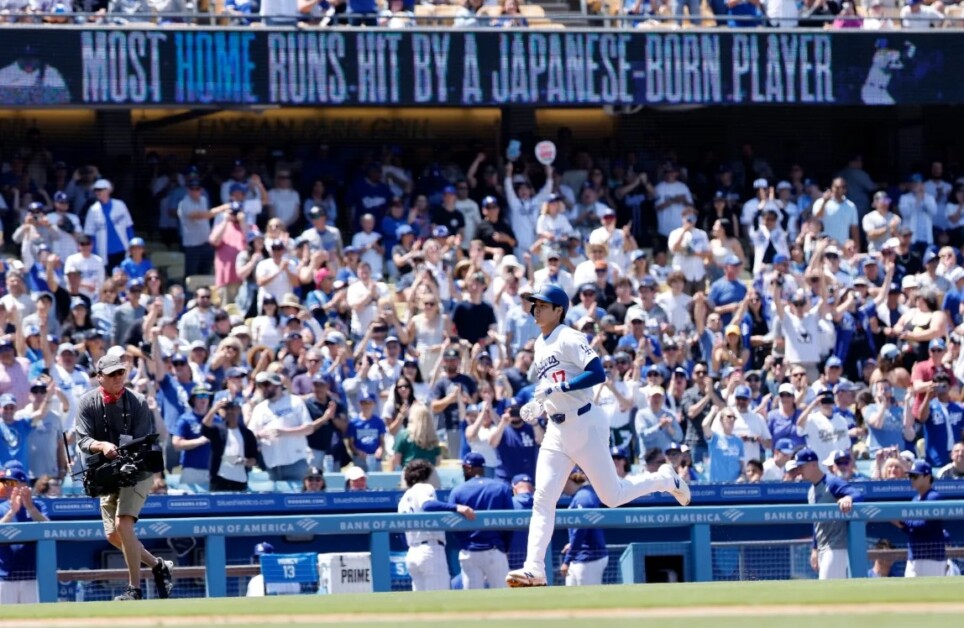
652	374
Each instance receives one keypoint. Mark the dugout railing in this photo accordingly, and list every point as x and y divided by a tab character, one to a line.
51	536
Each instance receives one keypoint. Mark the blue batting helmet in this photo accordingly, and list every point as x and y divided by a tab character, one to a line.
263	548
551	294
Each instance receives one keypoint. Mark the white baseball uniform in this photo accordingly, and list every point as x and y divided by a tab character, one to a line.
834	564
426	550
587	574
919	568
581	439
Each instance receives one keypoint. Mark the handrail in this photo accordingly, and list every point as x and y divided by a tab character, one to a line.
699	520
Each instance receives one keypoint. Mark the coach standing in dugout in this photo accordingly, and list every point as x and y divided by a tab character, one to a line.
926	547
108	417
829	556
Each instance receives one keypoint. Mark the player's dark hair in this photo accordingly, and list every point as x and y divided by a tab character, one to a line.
417	471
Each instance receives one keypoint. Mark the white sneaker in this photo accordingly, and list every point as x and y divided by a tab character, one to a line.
682	490
519	578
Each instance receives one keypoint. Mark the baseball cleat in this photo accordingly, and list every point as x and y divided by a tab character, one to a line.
680	489
519	578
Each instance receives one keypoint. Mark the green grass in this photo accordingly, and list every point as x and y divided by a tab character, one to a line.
892	590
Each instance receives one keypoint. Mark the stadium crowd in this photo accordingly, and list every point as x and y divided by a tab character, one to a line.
360	309
833	14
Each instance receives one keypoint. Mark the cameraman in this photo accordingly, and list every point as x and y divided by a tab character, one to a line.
108	417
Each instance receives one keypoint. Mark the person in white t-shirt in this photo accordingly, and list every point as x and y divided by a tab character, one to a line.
615	400
799	321
881	224
672	196
916	14
282	423
369	242
676	303
750	427
690	247
775	468
90	267
363	296
284	199
619	241
824	429
278	274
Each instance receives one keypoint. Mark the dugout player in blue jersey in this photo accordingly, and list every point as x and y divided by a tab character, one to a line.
577	433
18	562
482	555
585	556
926	547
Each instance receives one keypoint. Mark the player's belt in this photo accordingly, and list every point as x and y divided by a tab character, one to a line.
437	542
560	418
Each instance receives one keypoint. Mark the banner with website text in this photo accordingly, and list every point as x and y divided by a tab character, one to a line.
50	66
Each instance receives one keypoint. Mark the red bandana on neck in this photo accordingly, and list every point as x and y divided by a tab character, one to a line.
109	398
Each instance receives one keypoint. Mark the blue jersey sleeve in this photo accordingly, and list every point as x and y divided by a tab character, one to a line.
594	374
840	489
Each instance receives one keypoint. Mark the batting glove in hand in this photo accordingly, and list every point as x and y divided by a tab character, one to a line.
531	412
544	391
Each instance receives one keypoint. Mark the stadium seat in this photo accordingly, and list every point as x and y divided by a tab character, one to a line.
194	282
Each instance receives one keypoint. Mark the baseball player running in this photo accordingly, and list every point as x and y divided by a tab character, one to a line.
577	434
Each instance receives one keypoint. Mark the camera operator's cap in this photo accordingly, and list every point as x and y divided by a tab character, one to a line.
355	473
102	184
522	477
921	467
110	364
473	459
760	183
619	452
7	400
742	392
732	260
833	362
31	330
837	455
937	343
784	446
804	456
137	242
451	354
267	377
909	282
61	197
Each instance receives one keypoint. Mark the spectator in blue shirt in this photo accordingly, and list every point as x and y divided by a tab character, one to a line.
749	13
136	264
369	194
942	420
725	449
195	448
727	292
366	435
13	432
585	556
517	444
926	553
18	561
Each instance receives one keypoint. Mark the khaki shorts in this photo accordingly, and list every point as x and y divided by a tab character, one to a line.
128	501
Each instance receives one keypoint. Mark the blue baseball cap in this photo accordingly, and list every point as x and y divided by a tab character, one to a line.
403	231
784	446
31	330
441	231
780	258
726	371
137	242
137	283
238	187
263	548
673	447
929	256
937	343
490	201
61	197
473	459
323	378
619	452
522	477
921	467
732	260
15	473
804	456
742	392
833	362
448	189
366	397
